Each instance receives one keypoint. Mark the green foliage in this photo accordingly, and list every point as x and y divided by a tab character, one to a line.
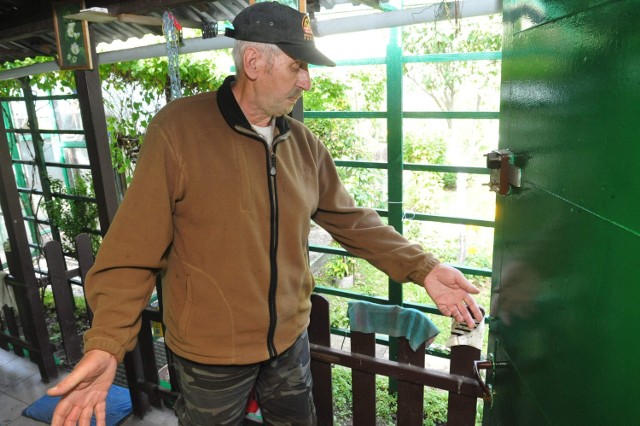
338	312
435	402
471	36
73	216
435	407
326	94
48	82
136	90
342	396
342	137
51	316
340	267
372	85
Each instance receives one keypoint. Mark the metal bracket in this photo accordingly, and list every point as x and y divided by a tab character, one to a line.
505	175
488	364
209	29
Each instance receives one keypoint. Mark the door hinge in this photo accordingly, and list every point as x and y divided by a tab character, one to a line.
505	175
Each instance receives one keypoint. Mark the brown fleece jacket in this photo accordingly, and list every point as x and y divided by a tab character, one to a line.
225	220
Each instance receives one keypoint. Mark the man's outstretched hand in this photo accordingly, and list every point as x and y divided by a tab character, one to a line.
452	294
84	390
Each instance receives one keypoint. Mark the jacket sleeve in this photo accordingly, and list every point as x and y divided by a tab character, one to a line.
361	232
120	283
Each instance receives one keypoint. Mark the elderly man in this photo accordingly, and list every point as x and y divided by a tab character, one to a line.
220	205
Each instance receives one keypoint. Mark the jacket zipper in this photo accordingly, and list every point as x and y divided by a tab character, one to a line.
273	244
273	198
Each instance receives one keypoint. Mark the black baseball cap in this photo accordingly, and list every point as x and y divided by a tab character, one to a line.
275	23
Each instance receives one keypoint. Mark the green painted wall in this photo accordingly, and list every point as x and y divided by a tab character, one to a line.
566	292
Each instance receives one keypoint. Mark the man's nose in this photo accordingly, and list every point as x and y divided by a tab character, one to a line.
304	79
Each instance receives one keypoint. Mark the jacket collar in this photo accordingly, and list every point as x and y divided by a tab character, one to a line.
233	114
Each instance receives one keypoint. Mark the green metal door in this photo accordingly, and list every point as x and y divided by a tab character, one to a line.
566	292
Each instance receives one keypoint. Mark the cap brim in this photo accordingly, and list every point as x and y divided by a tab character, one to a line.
307	53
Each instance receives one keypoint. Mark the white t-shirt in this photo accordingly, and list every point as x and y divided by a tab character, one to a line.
266	132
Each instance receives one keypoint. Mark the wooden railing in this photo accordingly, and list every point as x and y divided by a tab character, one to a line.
144	382
464	390
24	330
461	382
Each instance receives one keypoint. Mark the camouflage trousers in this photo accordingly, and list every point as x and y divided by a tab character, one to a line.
218	394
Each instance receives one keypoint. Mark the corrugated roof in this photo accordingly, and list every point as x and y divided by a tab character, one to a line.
27	28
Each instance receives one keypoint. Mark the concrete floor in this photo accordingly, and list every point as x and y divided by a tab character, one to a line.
20	386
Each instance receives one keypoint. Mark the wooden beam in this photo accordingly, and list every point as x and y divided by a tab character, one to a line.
94	124
99	17
10	32
459	384
145	6
154	20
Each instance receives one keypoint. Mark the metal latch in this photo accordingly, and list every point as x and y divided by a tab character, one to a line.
490	364
504	175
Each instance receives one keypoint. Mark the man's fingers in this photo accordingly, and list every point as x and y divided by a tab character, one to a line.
73	416
456	314
66	385
466	315
466	285
60	414
445	310
85	416
475	309
101	413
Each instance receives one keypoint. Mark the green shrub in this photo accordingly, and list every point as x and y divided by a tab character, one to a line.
73	216
435	401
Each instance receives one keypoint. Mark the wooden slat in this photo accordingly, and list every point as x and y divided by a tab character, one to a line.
3	328
135	380
424	376
364	383
85	262
410	395
63	298
147	351
462	408
12	326
319	334
20	263
94	123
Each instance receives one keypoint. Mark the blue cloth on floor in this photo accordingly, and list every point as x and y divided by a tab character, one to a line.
118	407
396	321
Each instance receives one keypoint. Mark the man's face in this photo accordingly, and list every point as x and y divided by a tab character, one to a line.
282	84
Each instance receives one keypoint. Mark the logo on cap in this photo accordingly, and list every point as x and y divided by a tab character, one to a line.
306	28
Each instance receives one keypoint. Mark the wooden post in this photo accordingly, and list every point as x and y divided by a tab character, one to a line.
320	334
94	123
363	383
85	262
63	296
21	266
410	395
462	408
147	351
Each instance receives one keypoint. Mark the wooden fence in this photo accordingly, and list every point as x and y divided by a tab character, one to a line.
18	328
146	387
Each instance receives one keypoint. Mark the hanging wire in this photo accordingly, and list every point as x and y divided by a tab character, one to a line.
171	30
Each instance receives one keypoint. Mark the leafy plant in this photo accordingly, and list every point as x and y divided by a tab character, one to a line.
73	216
134	92
342	137
46	82
51	317
434	406
340	267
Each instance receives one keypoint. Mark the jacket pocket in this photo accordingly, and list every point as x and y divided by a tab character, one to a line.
185	316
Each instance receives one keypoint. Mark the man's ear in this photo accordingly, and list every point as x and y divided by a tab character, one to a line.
251	60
